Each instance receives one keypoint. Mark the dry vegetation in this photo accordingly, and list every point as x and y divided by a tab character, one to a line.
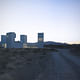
75	50
32	61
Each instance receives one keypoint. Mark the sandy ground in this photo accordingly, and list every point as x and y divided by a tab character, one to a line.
62	66
41	65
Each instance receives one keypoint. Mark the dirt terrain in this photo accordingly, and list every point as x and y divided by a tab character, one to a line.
39	64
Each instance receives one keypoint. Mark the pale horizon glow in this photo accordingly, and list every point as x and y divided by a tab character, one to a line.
58	19
76	42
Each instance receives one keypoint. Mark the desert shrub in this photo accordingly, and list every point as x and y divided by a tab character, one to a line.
75	50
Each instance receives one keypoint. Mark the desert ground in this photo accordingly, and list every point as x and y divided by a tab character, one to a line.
40	64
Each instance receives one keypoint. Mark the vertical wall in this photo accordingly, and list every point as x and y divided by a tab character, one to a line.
23	38
11	39
40	40
3	41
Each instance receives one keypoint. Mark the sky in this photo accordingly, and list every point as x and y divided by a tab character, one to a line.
58	19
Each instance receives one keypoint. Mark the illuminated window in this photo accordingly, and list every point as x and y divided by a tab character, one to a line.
40	39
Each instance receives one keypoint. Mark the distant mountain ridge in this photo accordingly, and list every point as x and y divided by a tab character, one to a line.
51	43
54	43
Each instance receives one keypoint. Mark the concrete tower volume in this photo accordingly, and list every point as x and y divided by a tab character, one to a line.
3	41
23	38
11	39
40	40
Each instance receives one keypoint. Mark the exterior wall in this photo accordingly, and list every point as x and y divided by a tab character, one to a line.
23	38
32	45
25	45
40	40
3	38
4	45
3	41
8	41
11	40
18	44
40	37
0	45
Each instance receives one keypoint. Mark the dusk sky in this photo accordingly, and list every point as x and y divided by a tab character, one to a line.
58	19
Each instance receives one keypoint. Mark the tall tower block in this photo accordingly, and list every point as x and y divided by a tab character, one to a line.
40	40
3	41
11	39
23	38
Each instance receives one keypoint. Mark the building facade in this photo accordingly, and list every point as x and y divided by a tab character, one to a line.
3	41
40	40
11	39
8	41
23	38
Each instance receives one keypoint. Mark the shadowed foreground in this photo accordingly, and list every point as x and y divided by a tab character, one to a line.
39	64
